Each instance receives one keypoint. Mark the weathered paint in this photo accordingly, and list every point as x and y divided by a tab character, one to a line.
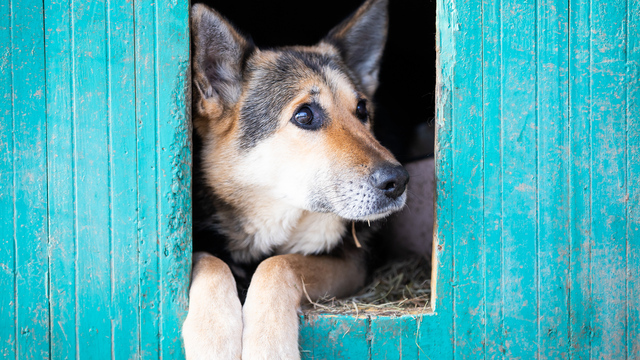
122	153
7	242
394	337
466	172
336	337
580	301
538	176
95	178
553	216
146	130
493	290
25	305
609	179
538	186
633	172
61	179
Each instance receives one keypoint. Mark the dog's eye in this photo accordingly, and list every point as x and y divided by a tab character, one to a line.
304	116
361	111
309	117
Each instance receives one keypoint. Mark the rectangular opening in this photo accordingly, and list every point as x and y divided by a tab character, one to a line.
404	123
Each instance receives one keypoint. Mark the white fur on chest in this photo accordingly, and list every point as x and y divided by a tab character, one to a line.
290	231
313	234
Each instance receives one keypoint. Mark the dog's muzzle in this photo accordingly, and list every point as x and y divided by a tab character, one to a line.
391	180
369	197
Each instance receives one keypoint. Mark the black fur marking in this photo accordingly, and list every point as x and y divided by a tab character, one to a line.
320	62
273	86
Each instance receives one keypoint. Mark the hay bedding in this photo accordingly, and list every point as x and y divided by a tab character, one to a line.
397	288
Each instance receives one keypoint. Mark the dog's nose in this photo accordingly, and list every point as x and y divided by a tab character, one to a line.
392	180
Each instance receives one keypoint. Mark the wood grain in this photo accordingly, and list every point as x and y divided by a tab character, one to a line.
95	171
537	236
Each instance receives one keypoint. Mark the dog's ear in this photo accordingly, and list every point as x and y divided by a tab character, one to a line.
219	52
360	39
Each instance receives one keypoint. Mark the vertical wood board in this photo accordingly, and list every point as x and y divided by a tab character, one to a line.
95	141
558	254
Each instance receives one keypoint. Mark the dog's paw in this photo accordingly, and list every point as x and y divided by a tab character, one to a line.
270	313
213	328
213	340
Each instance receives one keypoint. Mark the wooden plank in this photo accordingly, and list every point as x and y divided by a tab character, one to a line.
145	60
339	337
394	337
409	346
580	180
553	191
609	177
348	338
123	172
306	338
90	130
7	231
61	178
174	181
633	176
467	182
493	146
435	331
30	180
519	178
93	278
386	338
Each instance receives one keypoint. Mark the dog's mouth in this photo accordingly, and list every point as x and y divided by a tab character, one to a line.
363	205
377	196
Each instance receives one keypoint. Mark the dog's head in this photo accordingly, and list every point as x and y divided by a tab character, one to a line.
293	125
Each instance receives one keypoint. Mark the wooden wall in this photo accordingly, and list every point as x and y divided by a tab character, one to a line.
95	162
538	168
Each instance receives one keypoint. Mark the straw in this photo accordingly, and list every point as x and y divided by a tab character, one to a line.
396	288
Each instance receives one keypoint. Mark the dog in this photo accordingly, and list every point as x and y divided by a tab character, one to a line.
286	164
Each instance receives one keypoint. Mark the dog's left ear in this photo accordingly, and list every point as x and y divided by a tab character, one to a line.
219	51
360	39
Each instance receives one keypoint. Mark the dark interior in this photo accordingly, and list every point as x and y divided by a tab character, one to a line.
405	99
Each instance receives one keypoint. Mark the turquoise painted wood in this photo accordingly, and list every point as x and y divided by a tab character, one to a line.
538	190
538	175
25	306
94	178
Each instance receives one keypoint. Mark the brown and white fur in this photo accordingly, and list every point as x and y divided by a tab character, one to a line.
286	162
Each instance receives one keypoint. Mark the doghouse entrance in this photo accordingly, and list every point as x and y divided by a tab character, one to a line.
405	108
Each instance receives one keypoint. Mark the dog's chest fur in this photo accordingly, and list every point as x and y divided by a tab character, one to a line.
275	228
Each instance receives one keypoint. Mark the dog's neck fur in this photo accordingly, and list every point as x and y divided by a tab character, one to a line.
281	229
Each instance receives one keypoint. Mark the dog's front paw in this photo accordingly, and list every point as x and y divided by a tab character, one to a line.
270	313
213	328
212	340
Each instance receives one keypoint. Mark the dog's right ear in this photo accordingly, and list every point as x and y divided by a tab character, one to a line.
361	39
219	52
